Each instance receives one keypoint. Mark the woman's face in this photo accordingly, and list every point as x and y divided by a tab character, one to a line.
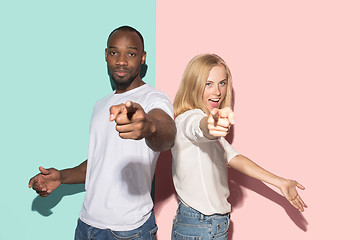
215	88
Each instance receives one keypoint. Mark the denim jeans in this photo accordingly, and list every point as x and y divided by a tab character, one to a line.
192	225
145	232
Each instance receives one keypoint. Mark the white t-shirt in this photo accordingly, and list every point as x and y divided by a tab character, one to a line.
200	166
120	171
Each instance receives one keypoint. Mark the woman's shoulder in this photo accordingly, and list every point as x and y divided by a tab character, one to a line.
191	113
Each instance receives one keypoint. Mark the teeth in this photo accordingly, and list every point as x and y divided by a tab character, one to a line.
215	100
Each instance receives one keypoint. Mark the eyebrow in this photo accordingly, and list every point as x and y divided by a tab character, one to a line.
225	79
134	48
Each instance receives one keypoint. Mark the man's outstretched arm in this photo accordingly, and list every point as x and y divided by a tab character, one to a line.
50	179
164	135
156	126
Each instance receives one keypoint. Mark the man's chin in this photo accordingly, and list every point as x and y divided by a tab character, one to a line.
122	85
121	80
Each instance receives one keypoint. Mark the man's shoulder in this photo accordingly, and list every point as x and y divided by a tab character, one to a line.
153	98
150	89
105	98
151	93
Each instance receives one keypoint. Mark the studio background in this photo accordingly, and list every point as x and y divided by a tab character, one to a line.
53	70
295	68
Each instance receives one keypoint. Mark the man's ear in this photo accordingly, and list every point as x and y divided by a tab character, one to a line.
143	58
105	54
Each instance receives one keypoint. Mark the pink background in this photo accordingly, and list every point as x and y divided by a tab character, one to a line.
295	67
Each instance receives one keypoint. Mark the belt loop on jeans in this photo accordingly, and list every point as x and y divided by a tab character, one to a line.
202	217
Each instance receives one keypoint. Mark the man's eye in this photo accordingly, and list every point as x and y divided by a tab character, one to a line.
132	55
113	53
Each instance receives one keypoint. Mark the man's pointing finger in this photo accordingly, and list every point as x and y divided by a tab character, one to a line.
115	110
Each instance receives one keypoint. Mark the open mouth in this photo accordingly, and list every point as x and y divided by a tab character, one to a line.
214	102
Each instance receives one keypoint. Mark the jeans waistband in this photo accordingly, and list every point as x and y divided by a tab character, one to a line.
194	213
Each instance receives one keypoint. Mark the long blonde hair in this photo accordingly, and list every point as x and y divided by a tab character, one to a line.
190	93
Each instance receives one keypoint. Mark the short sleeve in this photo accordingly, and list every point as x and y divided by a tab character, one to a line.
161	101
230	152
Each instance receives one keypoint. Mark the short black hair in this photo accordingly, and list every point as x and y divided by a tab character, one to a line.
127	29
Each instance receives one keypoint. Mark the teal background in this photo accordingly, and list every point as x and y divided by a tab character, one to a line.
52	72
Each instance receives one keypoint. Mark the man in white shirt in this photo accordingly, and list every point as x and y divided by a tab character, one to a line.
122	155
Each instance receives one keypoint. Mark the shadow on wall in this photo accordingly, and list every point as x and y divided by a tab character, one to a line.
164	189
238	180
43	205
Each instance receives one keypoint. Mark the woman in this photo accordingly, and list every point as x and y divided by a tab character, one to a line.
201	155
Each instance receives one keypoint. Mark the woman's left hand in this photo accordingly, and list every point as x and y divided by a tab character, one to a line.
288	189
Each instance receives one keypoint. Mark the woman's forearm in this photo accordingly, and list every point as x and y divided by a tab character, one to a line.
248	167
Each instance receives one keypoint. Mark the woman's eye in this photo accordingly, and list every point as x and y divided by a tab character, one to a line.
208	84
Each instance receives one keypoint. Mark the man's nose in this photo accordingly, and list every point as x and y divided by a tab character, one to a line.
121	60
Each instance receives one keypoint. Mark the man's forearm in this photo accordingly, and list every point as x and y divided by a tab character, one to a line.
74	175
163	137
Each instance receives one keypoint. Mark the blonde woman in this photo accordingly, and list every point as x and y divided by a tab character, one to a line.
201	155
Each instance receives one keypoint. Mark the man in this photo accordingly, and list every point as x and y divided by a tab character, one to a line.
122	156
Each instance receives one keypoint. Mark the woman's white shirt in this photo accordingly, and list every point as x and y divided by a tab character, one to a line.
200	166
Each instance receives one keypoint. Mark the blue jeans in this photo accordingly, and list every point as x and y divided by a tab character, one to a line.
146	232
192	225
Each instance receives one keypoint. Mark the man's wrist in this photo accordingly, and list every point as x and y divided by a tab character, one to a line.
62	180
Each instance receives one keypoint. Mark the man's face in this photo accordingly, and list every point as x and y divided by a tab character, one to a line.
124	56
